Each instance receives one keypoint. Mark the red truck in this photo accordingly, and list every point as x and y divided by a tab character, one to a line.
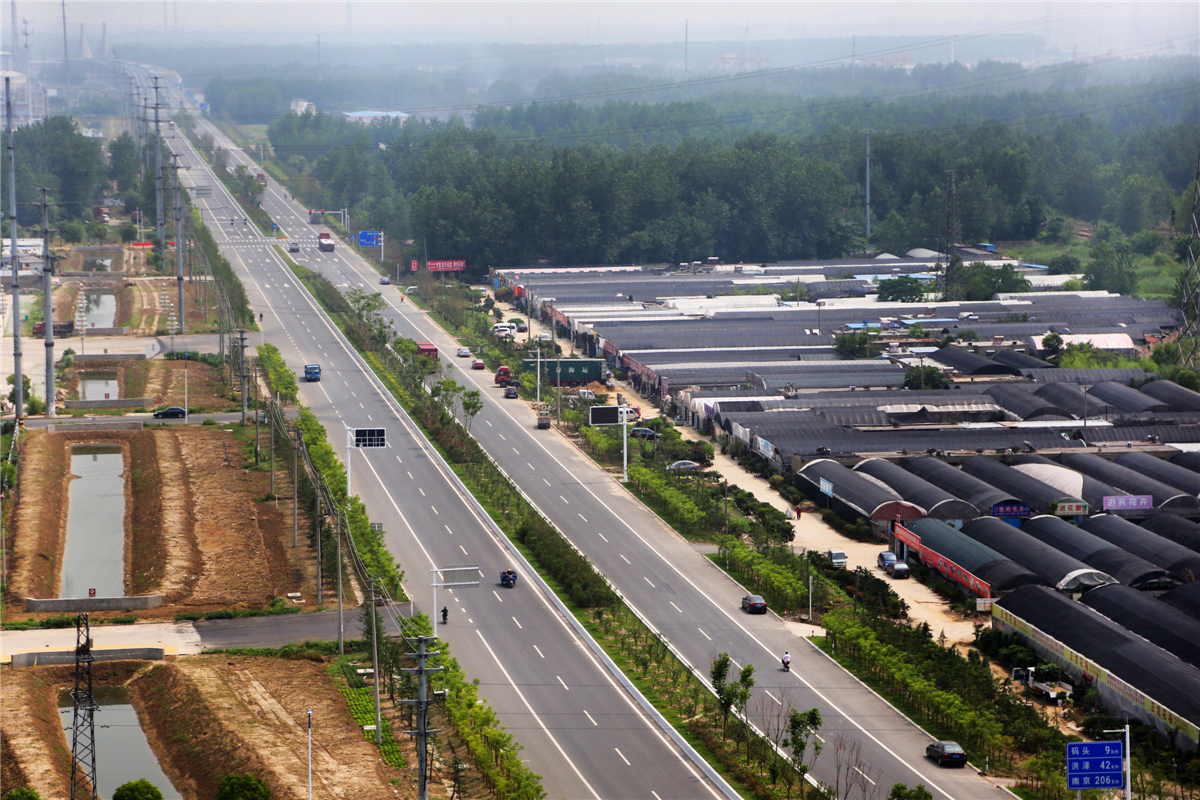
428	350
503	375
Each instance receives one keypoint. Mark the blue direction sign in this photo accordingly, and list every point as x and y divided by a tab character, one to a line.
368	238
1095	765
826	487
1012	510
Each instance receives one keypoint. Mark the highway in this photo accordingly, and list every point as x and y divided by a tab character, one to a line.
679	591
580	729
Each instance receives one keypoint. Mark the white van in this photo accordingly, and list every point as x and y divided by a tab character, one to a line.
503	327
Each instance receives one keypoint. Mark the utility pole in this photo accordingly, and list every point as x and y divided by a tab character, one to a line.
47	305
179	239
337	531
15	261
375	660
242	366
421	734
318	58
66	58
158	175
320	532
868	173
295	488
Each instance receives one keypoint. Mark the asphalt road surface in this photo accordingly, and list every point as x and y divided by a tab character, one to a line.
580	729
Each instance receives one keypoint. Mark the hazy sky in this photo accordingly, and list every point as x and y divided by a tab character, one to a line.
1090	26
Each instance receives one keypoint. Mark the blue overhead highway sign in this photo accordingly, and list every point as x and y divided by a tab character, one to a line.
368	238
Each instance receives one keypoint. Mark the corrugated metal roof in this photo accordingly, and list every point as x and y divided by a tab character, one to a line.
1180	561
1000	572
1171	393
1167	498
1098	553
1065	573
937	502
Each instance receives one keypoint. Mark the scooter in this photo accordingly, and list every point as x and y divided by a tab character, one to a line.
787	666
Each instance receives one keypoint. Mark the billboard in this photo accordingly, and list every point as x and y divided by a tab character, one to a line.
445	266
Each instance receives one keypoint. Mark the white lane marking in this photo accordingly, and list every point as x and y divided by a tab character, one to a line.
529	465
539	652
370	418
647	580
865	775
542	724
460	547
601	535
519	625
498	597
515	450
360	405
623	758
677	608
422	491
623	558
565	500
545	481
582	517
560	680
773	697
398	459
489	424
447	527
656	797
706	636
410	477
589	716
501	435
435	510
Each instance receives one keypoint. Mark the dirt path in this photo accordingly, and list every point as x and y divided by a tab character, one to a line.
183	559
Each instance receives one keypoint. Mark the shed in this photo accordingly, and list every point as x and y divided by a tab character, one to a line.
1068	481
1188	460
1042	496
1018	360
1025	405
1174	395
1153	620
960	484
965	362
937	502
1133	677
1161	470
1099	553
973	565
857	493
1074	400
1131	401
1166	498
1065	573
1186	598
1178	530
1180	561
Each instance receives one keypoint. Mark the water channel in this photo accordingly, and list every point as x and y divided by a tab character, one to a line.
97	265
99	386
100	309
122	752
94	555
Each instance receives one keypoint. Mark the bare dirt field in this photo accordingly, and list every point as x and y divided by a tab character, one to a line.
142	310
198	529
161	382
206	717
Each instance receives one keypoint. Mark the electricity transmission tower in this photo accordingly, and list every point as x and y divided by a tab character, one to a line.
83	728
1189	339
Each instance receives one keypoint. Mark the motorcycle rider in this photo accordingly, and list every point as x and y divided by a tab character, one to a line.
445	614
787	662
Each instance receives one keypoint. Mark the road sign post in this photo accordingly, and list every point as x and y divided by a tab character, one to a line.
360	438
613	415
1095	765
451	576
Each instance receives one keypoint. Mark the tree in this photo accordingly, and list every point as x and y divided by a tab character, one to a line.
1111	270
802	729
1064	264
22	793
859	344
904	289
902	792
472	404
917	331
123	162
128	233
1052	343
141	789
919	378
725	691
241	786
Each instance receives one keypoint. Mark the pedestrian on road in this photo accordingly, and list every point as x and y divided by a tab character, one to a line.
445	614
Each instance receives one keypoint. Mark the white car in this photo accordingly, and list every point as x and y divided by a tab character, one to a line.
464	352
544	337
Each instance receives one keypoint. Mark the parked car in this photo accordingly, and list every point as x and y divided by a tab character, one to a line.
754	604
511	392
174	412
683	466
385	281
293	247
885	558
898	569
947	753
544	337
464	352
838	557
522	327
645	433
478	364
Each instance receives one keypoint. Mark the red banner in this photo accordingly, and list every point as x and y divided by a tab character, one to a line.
445	266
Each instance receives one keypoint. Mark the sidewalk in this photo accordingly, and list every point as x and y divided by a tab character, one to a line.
176	637
813	534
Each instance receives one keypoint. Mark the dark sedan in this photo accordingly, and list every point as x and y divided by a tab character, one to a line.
175	412
510	392
947	753
754	604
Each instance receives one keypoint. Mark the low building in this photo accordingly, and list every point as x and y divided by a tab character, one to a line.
367	117
300	107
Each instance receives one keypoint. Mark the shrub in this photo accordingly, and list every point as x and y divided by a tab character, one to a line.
241	786
141	789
